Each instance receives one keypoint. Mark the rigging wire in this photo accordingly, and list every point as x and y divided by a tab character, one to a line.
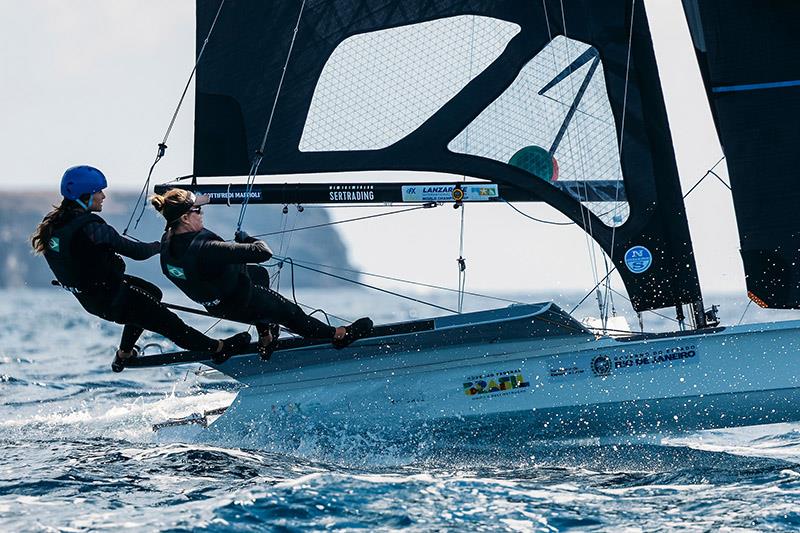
614	268
283	247
709	172
462	264
621	139
526	215
325	224
410	282
747	308
586	219
260	153
431	304
162	146
461	261
212	326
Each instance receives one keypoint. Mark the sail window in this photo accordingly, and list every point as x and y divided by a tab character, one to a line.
555	121
378	87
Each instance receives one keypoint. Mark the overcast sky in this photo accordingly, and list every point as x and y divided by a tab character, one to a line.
96	81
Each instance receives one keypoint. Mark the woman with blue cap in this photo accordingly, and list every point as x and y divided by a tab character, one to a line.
83	252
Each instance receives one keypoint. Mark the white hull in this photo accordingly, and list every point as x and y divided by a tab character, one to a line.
549	384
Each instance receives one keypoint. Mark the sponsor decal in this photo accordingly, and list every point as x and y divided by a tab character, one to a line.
176	272
655	357
351	193
601	365
287	408
604	365
638	259
54	244
445	193
571	369
493	383
233	195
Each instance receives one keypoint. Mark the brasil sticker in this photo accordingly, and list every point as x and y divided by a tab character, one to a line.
176	272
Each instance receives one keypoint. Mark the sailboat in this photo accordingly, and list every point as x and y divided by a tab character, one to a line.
552	101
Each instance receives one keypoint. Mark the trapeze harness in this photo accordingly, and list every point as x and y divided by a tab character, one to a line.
78	266
229	286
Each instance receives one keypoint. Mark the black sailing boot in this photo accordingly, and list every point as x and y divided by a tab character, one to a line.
121	359
357	330
231	346
267	339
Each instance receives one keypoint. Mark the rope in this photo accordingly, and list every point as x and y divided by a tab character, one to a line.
260	152
286	243
212	326
710	171
621	140
537	219
426	206
162	146
410	282
586	222
462	264
368	286
749	302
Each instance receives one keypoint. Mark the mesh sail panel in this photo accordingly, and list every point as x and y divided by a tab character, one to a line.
535	112
378	87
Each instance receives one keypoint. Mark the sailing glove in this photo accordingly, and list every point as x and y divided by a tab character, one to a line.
242	237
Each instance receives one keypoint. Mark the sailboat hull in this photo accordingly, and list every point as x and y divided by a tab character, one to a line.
559	382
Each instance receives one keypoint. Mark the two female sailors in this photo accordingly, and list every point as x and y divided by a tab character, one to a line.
84	254
215	273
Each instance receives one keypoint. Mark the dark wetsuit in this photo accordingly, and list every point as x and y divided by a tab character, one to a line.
113	295
248	297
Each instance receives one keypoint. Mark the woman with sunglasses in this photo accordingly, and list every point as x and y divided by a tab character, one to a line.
83	252
216	274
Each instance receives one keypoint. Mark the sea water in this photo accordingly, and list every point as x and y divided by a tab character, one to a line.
79	453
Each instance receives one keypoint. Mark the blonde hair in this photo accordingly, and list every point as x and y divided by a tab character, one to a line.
172	197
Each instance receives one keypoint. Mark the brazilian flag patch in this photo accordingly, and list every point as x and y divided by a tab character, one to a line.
54	244
176	272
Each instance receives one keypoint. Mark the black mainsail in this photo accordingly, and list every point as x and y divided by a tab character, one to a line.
525	94
748	55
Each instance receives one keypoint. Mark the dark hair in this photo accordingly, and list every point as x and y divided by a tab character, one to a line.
60	215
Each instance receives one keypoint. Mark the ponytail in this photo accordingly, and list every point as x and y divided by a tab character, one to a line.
60	215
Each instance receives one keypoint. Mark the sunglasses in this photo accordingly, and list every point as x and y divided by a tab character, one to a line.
196	209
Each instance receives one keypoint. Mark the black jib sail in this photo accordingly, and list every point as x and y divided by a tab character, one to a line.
748	55
532	95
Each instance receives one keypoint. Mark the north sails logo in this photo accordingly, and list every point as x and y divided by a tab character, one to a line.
351	193
54	244
176	272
